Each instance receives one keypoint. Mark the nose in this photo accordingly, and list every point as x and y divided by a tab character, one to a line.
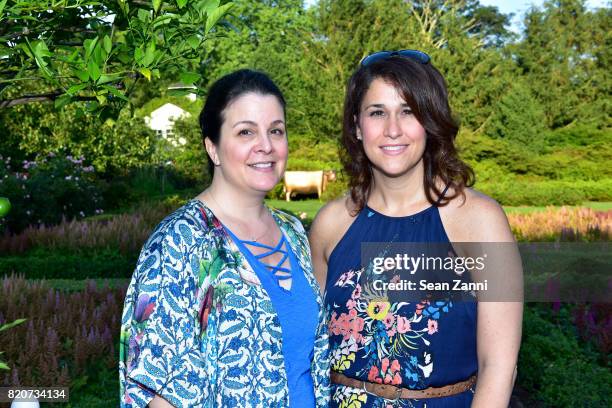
392	127
265	144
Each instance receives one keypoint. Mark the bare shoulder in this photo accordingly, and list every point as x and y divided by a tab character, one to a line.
475	216
330	224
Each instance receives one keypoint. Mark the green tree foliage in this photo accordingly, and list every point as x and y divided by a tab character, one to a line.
96	51
518	117
533	107
110	145
565	56
268	37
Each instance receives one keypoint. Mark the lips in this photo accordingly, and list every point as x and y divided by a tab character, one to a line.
262	165
394	149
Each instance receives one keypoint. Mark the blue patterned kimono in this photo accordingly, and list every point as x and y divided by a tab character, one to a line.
199	330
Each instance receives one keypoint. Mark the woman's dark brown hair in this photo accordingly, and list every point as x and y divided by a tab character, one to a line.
424	90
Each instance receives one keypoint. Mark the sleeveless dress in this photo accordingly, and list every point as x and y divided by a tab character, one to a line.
411	344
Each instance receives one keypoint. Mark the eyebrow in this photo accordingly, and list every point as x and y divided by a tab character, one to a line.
381	105
245	122
251	123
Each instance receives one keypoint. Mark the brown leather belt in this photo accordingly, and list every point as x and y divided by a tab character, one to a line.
392	392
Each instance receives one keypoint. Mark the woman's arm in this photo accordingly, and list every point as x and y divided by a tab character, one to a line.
317	237
328	227
159	402
499	337
499	321
159	333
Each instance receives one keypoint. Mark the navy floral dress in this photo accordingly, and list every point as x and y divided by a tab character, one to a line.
411	344
200	330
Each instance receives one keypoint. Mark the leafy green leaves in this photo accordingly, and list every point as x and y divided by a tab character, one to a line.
190	77
214	14
85	50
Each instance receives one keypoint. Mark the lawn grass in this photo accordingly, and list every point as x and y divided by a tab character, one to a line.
310	207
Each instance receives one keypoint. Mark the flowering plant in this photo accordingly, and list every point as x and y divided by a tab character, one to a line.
49	189
7	326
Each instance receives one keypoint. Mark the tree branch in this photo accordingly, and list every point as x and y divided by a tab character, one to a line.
48	97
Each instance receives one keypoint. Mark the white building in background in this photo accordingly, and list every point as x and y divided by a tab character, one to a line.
161	120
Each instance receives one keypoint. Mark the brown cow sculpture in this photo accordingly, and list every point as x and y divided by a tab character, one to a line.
307	182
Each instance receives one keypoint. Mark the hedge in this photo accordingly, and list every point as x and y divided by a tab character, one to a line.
559	192
52	264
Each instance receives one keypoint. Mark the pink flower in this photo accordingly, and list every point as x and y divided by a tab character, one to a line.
343	323
344	278
421	306
387	374
389	320
358	324
385	364
351	304
333	325
373	375
397	379
432	326
357	292
403	324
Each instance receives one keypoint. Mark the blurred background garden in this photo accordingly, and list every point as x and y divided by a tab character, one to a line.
89	173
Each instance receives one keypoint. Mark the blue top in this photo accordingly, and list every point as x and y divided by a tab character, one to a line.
297	311
416	345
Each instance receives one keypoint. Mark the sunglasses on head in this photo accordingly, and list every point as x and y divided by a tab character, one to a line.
415	55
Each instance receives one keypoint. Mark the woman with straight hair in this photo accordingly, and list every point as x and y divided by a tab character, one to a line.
390	348
223	309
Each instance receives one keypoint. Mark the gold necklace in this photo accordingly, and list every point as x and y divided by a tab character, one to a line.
221	208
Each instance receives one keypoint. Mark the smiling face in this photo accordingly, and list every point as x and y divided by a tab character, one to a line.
393	138
252	150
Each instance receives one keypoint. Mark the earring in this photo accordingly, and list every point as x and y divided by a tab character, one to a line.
358	137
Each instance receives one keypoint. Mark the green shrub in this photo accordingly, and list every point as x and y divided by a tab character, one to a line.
277	193
518	117
53	264
543	193
148	182
307	154
558	370
335	189
48	190
96	386
579	134
189	160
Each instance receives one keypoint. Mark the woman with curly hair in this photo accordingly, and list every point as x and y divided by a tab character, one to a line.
408	185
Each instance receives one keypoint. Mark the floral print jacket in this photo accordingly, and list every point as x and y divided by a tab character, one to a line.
199	330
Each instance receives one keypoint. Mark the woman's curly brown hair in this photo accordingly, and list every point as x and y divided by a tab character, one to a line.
424	90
